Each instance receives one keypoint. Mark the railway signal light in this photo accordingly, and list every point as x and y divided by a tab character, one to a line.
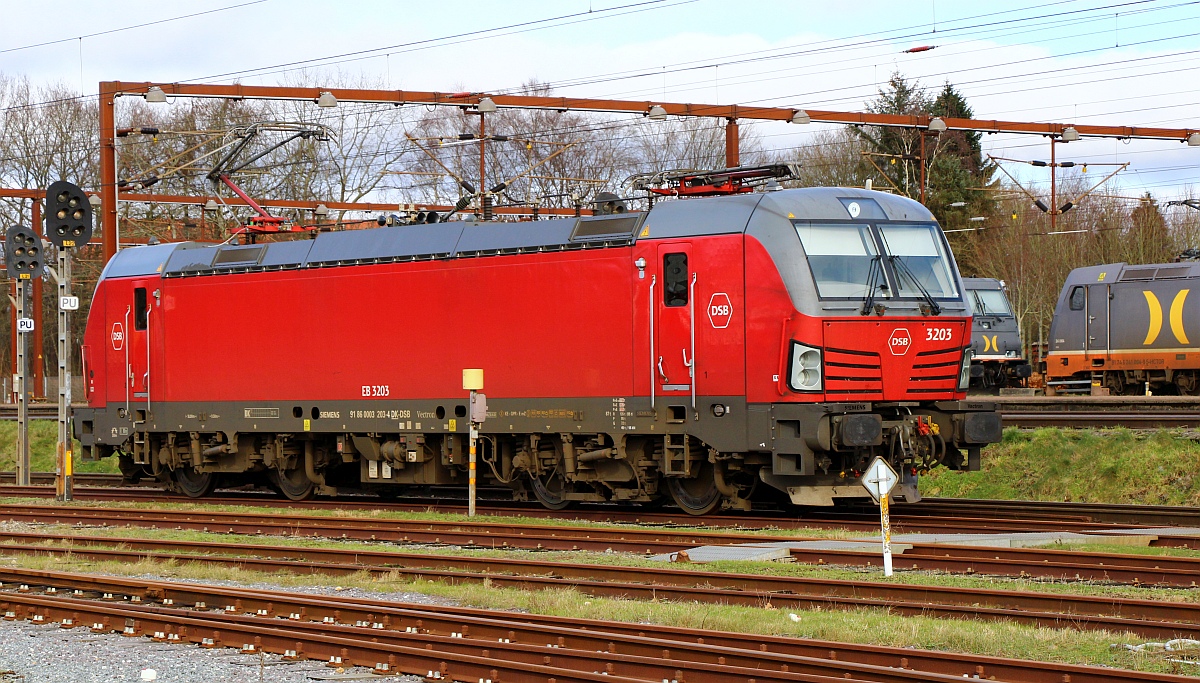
68	215
23	253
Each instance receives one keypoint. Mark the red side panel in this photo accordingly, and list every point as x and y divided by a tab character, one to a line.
540	325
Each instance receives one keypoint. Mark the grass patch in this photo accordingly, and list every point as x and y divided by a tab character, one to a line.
867	626
1095	466
43	449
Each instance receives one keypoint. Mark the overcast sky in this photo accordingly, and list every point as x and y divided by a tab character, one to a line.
1086	61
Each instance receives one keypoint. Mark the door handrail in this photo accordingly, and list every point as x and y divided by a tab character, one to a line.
148	309
692	326
126	338
653	303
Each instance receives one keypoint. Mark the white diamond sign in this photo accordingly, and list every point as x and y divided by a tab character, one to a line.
879	479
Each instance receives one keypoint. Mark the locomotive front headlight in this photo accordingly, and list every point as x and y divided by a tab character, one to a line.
964	373
805	371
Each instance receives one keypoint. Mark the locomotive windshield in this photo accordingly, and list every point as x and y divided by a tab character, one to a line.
920	260
840	257
848	260
989	302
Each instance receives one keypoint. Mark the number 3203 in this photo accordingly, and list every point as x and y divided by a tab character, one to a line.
938	334
375	390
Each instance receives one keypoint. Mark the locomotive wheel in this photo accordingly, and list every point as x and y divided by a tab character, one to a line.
193	484
1188	384
698	495
550	493
294	484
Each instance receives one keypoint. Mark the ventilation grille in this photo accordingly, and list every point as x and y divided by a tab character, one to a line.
853	374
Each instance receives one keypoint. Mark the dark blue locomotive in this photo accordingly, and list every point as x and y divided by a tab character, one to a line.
997	353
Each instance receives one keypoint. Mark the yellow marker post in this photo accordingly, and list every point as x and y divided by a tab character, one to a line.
473	382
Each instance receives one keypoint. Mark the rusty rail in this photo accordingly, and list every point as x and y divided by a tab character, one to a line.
620	648
1149	618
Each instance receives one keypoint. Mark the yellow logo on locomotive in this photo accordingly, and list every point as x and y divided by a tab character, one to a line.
1156	317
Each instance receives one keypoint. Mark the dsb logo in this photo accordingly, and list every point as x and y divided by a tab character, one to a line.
899	342
720	310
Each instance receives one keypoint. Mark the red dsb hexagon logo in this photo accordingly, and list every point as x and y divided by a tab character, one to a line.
899	342
118	336
720	310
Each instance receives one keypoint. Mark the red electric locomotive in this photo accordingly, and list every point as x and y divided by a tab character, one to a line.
705	350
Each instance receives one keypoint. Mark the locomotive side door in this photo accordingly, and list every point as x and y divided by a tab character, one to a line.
1099	304
137	342
674	341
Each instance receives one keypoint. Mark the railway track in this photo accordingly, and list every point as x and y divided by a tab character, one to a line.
453	640
105	486
1136	570
912	518
1134	412
37	411
1146	618
487	533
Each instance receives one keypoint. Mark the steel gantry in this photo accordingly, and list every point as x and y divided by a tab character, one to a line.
731	113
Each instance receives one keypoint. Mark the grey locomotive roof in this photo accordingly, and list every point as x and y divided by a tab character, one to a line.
1125	272
981	283
461	239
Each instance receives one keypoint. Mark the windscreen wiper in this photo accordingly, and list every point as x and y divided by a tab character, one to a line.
982	306
873	276
902	268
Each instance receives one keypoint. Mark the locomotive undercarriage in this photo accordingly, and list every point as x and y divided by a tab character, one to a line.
987	375
1166	381
812	453
1163	382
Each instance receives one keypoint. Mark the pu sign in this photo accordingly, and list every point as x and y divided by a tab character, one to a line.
899	342
118	336
720	310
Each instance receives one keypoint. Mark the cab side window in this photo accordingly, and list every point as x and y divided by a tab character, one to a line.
139	308
675	280
1078	298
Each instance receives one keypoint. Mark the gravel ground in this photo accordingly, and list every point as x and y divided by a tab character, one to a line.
48	654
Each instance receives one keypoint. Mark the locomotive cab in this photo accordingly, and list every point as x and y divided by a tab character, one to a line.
997	354
876	328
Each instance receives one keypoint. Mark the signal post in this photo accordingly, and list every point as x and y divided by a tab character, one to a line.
68	226
25	262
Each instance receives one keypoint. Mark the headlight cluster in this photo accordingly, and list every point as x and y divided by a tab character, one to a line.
804	373
964	373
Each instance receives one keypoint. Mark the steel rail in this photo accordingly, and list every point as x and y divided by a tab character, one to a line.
496	534
253	635
1107	567
912	519
1154	619
1078	420
489	626
1107	513
396	648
